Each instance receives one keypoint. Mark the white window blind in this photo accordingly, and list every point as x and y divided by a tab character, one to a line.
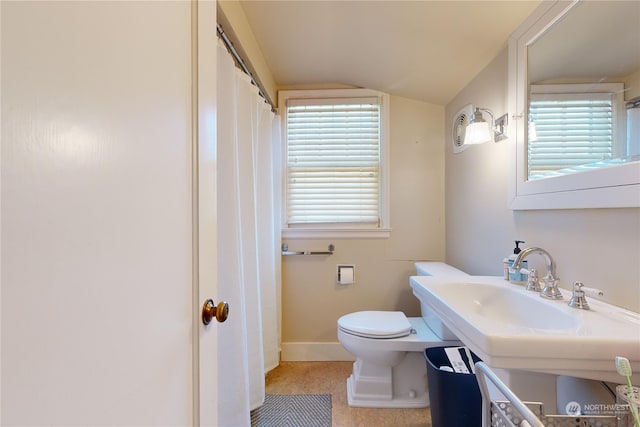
571	130
333	161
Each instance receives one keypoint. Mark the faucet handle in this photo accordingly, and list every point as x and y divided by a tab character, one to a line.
593	292
578	299
533	284
550	290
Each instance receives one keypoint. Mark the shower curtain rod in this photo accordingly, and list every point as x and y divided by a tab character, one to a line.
236	56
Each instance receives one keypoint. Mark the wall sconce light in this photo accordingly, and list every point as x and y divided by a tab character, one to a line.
479	130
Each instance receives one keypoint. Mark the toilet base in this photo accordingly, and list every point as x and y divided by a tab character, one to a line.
401	386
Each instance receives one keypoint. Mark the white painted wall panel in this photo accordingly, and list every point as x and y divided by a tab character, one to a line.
96	213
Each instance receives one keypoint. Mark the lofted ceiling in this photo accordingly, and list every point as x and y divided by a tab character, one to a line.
423	50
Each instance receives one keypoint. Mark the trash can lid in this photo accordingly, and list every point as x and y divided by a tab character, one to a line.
376	324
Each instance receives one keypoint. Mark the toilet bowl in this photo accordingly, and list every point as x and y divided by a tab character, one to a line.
390	368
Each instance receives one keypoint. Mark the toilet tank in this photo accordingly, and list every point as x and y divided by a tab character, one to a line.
437	269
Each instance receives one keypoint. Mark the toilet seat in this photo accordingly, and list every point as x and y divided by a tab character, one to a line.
375	324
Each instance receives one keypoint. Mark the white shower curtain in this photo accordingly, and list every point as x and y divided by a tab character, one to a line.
248	243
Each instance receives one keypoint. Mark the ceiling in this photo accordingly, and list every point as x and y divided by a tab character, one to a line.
423	50
572	49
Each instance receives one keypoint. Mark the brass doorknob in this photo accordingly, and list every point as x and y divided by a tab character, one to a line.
210	310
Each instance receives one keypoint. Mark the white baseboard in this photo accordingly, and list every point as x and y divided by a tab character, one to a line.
314	352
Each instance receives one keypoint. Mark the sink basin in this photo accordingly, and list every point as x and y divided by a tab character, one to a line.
512	328
508	306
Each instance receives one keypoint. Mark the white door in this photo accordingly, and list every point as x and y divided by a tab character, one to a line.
103	232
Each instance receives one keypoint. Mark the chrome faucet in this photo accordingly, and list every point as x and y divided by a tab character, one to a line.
550	290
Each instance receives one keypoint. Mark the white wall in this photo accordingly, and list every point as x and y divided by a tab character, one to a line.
312	302
235	25
600	247
97	215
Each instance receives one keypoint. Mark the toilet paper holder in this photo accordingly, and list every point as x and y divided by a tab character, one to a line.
345	274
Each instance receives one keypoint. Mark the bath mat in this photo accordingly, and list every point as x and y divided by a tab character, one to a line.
293	410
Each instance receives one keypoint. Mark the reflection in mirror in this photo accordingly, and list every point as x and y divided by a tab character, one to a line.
583	76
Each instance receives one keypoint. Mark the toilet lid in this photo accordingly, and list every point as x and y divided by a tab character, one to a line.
376	324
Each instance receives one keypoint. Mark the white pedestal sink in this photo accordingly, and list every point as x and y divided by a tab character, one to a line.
515	330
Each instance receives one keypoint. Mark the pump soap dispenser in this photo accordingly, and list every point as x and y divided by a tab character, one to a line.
516	276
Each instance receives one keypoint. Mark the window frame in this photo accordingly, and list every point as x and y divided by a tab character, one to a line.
338	230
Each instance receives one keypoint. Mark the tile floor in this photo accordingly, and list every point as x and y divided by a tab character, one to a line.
330	378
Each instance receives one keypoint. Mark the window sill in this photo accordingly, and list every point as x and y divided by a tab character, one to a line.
323	233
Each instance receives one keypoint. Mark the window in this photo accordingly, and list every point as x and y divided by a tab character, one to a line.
335	163
572	126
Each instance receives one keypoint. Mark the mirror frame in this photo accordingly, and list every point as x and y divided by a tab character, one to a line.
611	187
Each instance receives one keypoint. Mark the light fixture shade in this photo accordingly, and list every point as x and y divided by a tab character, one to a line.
477	133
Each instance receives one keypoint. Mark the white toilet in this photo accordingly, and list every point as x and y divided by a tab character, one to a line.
390	368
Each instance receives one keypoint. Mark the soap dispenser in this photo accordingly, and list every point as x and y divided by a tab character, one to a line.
515	276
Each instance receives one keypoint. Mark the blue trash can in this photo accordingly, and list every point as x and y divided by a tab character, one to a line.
455	398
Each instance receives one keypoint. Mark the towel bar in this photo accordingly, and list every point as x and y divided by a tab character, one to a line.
286	251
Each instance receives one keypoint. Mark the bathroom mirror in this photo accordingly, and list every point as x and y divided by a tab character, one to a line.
574	77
